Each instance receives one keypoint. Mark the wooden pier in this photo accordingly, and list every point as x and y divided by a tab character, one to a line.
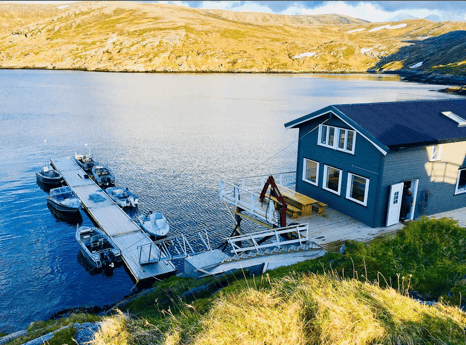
140	254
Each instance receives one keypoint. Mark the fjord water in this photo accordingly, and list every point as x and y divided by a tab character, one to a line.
168	138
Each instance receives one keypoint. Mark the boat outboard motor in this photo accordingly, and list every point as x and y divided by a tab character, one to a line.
131	201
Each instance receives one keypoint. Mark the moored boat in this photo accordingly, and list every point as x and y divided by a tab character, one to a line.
155	224
123	197
64	203
49	176
103	176
86	162
97	247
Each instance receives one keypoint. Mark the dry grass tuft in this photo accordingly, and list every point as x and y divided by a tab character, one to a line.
254	317
323	309
114	331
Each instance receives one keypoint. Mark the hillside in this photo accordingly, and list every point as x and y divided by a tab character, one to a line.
126	36
402	288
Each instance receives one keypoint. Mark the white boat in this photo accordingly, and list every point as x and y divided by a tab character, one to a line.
85	161
64	203
103	176
155	224
97	247
123	197
49	177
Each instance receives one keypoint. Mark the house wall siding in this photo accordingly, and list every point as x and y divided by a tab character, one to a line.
438	177
367	162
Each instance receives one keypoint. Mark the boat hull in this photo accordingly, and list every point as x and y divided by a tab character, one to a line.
67	214
155	226
98	255
49	181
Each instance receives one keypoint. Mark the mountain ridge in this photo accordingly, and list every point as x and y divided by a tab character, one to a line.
147	37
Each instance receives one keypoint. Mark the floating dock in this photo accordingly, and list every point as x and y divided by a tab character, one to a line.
141	256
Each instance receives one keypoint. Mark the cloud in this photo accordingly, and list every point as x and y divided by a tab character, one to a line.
237	6
372	12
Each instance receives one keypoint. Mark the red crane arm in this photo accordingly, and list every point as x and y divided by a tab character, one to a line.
276	193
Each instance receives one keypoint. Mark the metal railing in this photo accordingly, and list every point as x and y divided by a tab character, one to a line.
296	234
245	194
170	248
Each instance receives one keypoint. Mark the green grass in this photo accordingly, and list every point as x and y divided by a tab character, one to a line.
64	336
37	329
356	298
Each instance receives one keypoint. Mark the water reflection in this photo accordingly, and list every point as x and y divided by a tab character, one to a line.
168	138
106	271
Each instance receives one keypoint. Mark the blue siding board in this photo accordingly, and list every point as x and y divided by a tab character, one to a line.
366	162
409	164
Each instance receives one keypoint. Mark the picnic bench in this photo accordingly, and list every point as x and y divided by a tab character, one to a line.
299	204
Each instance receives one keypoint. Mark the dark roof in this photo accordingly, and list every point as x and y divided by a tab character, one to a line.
400	124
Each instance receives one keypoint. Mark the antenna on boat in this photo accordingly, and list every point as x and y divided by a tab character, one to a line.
86	144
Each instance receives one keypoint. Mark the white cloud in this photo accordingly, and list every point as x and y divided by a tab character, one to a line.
179	3
236	6
363	10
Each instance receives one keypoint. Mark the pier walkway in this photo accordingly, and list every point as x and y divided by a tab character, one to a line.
139	253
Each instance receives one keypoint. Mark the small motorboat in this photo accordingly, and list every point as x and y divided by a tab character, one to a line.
64	203
85	162
103	176
49	177
155	224
97	247
123	197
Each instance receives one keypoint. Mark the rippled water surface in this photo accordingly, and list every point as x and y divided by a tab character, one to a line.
168	138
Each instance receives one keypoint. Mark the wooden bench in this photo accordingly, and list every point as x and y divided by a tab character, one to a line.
320	207
294	212
300	201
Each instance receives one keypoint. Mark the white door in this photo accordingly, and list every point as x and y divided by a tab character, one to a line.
394	203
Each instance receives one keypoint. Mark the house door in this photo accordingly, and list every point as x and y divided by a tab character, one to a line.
394	203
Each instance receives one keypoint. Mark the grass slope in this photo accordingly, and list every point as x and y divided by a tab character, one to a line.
127	36
360	297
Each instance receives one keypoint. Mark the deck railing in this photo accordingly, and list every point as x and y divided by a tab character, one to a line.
245	193
174	247
290	235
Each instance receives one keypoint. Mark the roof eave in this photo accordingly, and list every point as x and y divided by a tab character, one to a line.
309	117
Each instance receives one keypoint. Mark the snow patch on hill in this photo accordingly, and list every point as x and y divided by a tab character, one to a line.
308	54
389	27
356	30
365	50
416	65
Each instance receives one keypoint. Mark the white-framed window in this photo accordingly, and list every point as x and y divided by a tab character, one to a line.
461	182
332	179
311	171
337	138
357	189
436	153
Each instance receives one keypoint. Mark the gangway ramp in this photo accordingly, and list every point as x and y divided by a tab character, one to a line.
135	244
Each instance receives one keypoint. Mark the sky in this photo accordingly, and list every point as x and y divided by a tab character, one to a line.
373	11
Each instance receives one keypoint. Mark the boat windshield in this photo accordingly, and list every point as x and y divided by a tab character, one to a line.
62	193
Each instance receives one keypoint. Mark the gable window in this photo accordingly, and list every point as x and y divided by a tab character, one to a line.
332	179
311	171
436	153
357	189
461	182
337	138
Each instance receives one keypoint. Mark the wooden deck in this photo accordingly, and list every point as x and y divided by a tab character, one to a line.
125	233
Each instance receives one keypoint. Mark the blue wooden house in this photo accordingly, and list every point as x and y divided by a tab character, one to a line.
360	158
